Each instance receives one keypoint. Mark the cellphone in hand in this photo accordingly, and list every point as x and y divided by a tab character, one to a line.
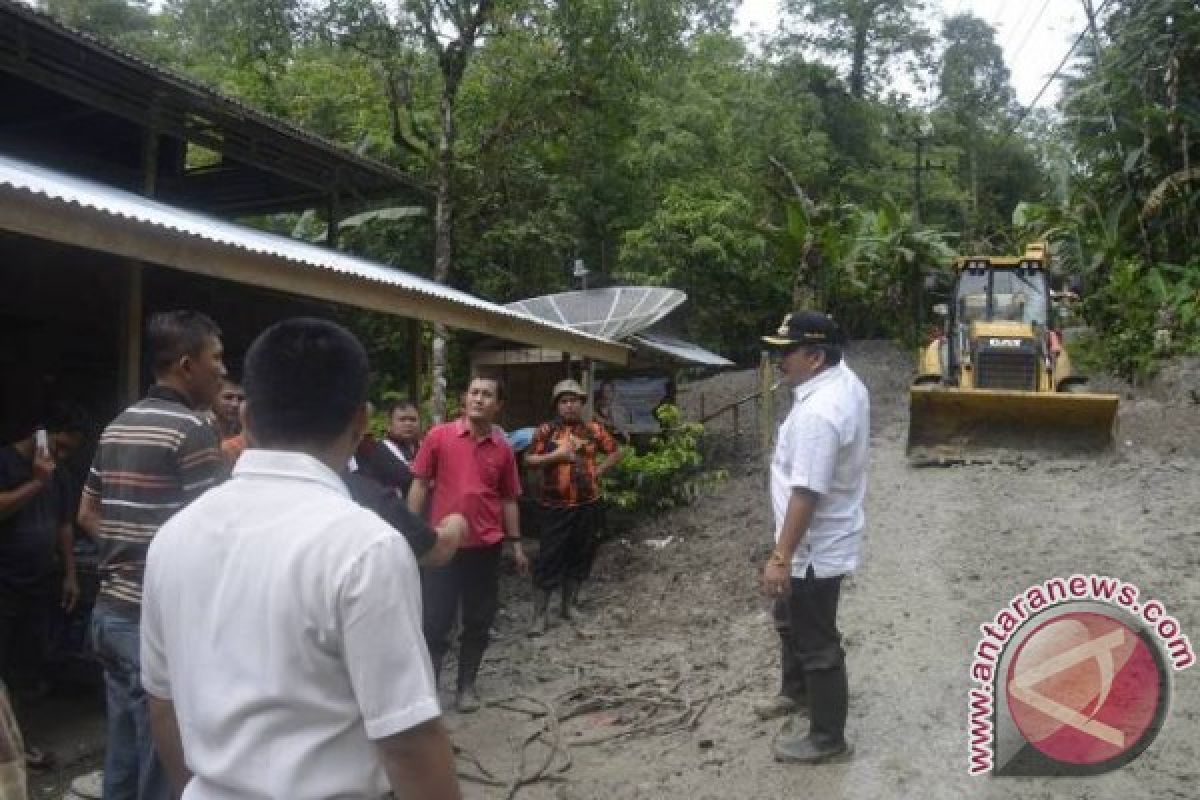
41	442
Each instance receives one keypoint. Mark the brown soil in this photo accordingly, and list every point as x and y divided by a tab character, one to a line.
676	624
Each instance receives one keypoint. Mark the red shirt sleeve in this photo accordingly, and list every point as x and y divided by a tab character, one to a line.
510	479
425	464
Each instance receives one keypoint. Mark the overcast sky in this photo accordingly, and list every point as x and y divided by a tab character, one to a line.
1035	34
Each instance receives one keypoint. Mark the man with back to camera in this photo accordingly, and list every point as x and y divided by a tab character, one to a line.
281	642
565	449
472	471
818	484
153	459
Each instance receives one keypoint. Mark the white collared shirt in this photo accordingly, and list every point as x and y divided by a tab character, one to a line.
284	622
822	447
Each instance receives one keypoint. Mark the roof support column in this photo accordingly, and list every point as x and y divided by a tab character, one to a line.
416	349
334	212
133	310
588	379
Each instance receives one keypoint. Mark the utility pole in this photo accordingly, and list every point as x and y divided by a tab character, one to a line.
1112	120
920	138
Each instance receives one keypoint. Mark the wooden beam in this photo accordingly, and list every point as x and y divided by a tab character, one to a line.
416	349
81	226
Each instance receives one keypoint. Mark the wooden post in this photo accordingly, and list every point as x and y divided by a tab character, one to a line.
133	300
766	406
334	212
415	349
589	382
566	364
132	309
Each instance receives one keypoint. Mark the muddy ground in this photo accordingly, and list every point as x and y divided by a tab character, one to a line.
677	645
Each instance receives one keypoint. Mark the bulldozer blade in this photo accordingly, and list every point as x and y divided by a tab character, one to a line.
948	425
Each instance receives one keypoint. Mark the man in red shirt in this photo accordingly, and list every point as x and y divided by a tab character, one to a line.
473	472
565	449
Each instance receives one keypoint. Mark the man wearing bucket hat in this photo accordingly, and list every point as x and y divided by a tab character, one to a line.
565	448
818	483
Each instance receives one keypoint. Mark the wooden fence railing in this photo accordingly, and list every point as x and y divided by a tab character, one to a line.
765	407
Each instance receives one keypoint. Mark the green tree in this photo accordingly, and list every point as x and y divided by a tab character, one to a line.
974	93
870	34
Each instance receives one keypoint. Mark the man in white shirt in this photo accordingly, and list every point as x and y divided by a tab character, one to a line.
818	483
281	626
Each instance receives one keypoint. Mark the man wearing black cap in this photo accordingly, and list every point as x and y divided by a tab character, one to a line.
818	483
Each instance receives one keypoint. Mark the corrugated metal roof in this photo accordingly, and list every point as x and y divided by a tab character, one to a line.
22	181
679	350
213	100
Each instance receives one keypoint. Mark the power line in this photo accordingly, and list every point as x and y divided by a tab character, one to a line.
998	13
1054	75
1016	26
1030	30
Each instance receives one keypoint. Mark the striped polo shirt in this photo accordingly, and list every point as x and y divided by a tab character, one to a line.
153	459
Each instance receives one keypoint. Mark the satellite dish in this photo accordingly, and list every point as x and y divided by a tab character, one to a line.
615	312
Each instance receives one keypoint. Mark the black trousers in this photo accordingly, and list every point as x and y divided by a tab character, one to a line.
27	615
471	580
568	545
812	614
791	679
812	608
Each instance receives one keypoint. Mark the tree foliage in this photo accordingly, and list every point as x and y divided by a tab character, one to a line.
640	136
868	34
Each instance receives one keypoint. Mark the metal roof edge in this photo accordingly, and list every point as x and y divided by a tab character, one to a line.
79	212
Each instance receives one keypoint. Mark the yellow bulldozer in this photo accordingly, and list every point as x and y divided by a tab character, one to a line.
997	377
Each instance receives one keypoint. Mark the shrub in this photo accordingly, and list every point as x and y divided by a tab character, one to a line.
669	473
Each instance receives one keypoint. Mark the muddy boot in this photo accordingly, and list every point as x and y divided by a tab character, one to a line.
792	683
541	610
467	699
569	590
775	706
828	698
436	660
793	692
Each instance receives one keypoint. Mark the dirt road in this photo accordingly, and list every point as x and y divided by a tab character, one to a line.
680	628
678	646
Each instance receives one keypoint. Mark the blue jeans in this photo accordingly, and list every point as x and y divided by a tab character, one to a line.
132	770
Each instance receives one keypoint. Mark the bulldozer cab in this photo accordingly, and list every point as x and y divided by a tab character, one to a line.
1002	292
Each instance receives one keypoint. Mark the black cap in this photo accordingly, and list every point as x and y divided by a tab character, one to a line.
806	327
